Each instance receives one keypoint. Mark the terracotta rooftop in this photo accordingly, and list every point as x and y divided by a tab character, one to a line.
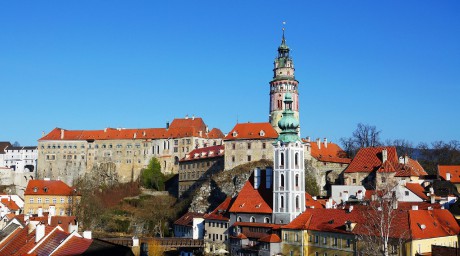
251	200
10	204
417	189
179	128
453	170
222	211
272	238
187	219
330	153
48	187
204	153
244	131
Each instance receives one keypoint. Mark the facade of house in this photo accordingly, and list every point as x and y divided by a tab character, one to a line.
375	167
198	165
190	225
216	225
248	142
52	196
121	153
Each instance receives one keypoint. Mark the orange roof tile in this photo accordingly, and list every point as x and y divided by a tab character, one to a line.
332	153
417	189
204	153
370	159
251	200
48	187
301	222
454	171
187	219
222	211
432	223
10	204
272	238
73	246
311	203
179	128
244	131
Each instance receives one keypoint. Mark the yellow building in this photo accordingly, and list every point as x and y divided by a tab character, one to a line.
52	196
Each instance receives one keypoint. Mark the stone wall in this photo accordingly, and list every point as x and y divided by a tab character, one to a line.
239	152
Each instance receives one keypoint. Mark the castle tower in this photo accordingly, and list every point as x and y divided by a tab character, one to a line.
288	169
283	82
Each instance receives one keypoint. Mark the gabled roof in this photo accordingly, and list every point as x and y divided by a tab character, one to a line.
187	219
10	204
74	245
301	222
370	159
3	145
454	171
62	221
432	223
254	131
312	203
179	128
50	242
417	189
222	211
330	153
48	187
204	153
251	200
272	238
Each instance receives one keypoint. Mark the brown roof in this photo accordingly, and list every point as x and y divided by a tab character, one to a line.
3	146
454	171
204	153
244	131
187	219
48	187
332	153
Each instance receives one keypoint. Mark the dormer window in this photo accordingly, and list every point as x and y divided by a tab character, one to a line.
45	189
35	189
234	134
262	133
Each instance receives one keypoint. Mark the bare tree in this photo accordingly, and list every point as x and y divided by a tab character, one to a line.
379	234
403	147
366	135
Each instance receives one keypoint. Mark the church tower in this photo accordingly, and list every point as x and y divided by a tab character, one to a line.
283	82
288	169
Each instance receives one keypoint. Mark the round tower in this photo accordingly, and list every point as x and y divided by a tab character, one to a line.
283	82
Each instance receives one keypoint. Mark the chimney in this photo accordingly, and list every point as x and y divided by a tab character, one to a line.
359	195
448	176
39	232
395	204
318	142
384	155
325	142
62	134
345	196
256	178
40	212
87	234
186	116
135	135
414	207
432	199
105	129
406	159
268	180
193	117
350	209
73	226
52	211
135	241
201	133
167	125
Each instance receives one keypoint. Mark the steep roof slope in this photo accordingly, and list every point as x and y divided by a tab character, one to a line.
259	131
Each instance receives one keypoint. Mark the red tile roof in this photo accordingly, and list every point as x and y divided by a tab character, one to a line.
454	171
187	219
222	211
204	153
417	189
301	222
250	200
244	131
63	221
48	187
272	238
74	245
332	153
257	224
432	223
10	204
179	128
312	203
370	159
50	242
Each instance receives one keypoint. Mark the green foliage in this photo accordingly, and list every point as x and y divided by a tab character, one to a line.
311	186
152	177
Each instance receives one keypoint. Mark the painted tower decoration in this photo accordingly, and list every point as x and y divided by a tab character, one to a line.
288	169
283	82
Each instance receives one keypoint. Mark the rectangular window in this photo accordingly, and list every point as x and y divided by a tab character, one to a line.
348	242
325	240
233	159
264	145
54	200
249	158
249	145
354	181
233	146
39	200
31	200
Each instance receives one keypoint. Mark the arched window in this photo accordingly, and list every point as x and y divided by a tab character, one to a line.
296	180
238	219
282	202
297	202
266	220
252	219
282	159
176	160
282	180
296	160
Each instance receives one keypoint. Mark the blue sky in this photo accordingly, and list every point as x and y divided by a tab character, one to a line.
96	64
